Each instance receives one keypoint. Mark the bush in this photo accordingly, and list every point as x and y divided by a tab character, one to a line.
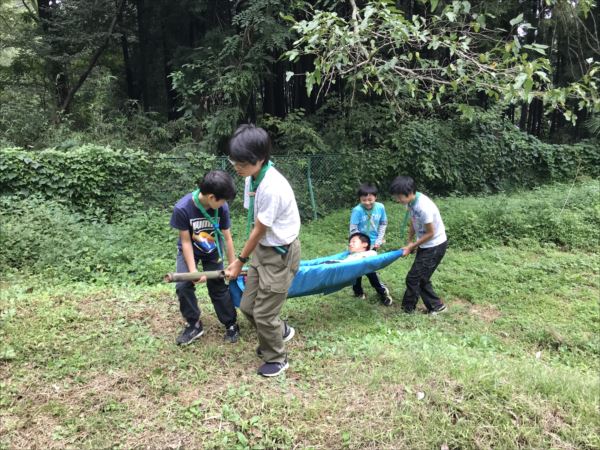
68	245
141	247
100	181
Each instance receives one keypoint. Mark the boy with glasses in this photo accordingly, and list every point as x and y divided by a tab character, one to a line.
273	227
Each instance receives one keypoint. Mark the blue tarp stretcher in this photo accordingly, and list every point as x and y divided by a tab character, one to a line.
325	275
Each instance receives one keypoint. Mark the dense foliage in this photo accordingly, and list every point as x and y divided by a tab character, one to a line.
155	75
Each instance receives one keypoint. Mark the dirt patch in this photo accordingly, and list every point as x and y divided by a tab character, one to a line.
487	313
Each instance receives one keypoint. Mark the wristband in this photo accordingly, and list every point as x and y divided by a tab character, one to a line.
242	259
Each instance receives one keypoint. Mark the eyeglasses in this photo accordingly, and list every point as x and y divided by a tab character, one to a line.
241	165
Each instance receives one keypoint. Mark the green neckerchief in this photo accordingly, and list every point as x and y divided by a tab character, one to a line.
254	183
407	215
214	221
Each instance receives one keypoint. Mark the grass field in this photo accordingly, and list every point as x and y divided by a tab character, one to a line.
512	364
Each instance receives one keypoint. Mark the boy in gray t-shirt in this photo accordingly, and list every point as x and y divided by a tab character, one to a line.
426	222
273	227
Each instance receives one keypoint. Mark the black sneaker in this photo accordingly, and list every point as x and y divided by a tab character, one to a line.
440	309
386	298
232	333
190	333
288	332
361	296
272	369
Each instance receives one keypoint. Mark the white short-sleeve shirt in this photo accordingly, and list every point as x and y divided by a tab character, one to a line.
424	212
275	207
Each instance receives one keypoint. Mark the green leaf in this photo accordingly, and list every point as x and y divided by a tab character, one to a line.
517	20
434	4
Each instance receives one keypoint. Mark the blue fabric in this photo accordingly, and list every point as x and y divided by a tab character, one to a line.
360	218
317	276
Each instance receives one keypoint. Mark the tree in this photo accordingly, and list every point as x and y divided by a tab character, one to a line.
432	57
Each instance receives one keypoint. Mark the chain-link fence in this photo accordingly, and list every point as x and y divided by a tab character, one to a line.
320	182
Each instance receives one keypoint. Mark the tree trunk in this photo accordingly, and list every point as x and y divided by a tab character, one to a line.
151	57
56	73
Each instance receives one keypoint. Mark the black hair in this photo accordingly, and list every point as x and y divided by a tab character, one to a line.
219	183
403	185
250	144
363	238
366	189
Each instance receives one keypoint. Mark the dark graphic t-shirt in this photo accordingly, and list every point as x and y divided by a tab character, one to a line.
186	216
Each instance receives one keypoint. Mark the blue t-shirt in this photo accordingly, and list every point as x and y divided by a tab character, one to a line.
186	216
368	221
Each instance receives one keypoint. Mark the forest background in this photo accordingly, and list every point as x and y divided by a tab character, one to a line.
467	97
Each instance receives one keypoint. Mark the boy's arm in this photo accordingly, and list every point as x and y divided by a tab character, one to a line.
354	222
188	250
229	249
429	232
259	230
380	235
411	232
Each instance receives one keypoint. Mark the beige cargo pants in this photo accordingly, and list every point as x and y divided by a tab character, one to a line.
269	276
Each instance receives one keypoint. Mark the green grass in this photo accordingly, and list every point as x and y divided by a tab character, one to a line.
513	364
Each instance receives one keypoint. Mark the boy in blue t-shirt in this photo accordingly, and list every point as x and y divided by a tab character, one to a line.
202	218
368	217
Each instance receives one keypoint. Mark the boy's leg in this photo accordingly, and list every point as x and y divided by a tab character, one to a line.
382	290
219	295
430	298
413	281
357	287
249	296
276	273
186	293
376	283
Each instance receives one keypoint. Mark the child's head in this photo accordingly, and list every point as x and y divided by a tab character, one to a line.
218	187
367	195
249	149
403	189
359	242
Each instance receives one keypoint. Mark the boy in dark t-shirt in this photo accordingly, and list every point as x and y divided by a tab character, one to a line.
202	218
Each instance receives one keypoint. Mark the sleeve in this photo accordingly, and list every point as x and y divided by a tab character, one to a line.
179	219
380	233
382	227
247	193
267	208
355	217
427	213
384	218
225	222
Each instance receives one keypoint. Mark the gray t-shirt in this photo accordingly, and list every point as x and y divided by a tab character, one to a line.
424	211
275	207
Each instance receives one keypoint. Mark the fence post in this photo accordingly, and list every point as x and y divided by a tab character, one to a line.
310	188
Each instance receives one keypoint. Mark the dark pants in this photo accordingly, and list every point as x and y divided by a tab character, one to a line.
217	291
418	278
375	282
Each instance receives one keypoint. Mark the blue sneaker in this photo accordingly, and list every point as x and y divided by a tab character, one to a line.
272	369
